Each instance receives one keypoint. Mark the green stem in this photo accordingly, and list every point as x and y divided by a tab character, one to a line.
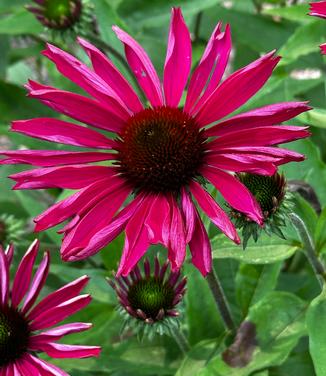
180	339
220	299
309	248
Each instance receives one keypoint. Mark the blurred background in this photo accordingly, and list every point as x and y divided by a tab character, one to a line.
257	27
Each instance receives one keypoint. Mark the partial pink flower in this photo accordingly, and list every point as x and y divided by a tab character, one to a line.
318	9
157	157
26	328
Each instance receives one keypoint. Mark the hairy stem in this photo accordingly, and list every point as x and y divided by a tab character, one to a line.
220	299
180	339
309	248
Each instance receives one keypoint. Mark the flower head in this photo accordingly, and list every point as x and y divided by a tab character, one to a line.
158	156
25	327
318	9
150	298
270	192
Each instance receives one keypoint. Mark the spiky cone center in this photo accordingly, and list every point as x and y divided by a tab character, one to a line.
269	191
58	14
14	335
160	150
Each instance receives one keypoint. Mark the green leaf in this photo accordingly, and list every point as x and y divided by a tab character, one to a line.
317	332
320	232
297	13
253	282
20	22
315	117
306	212
304	41
266	251
279	321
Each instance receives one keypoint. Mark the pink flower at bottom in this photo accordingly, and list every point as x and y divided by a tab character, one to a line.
157	156
318	9
26	328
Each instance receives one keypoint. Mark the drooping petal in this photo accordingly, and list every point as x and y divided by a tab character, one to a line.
142	67
210	70
50	158
137	239
318	9
24	274
76	203
200	247
80	108
158	215
106	234
214	212
37	283
60	131
178	59
95	219
264	116
323	48
260	136
4	278
44	368
111	75
237	89
263	165
188	211
9	251
66	177
58	297
61	351
60	312
57	333
234	192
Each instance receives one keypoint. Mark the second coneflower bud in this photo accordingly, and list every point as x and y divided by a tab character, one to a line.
270	193
148	298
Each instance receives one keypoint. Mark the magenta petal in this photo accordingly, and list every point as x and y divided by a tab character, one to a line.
25	367
178	59
158	215
9	251
142	67
77	203
50	158
57	333
318	9
210	70
98	217
110	74
237	89
188	211
58	350
263	116
260	136
58	297
137	239
81	75
177	237
60	312
81	108
44	368
62	132
4	278
214	212
66	177
37	283
235	193
24	274
323	48
200	247
107	233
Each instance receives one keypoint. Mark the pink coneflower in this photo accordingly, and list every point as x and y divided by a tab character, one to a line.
318	9
26	327
159	158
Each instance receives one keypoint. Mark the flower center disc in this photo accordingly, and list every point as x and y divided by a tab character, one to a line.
14	336
160	150
62	12
150	295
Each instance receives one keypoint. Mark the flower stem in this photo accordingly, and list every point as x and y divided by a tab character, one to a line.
309	247
220	299
180	339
